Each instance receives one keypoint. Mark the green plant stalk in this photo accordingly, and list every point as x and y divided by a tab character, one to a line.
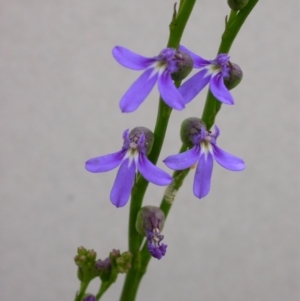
132	279
233	27
83	286
103	288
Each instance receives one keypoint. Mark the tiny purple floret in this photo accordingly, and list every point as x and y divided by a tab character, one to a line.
212	72
89	298
154	245
131	158
204	151
157	69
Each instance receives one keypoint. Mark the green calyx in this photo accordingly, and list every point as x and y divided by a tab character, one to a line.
190	127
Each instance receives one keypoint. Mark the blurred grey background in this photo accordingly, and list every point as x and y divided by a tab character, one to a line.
60	89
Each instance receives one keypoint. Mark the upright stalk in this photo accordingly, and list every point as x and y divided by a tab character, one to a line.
133	278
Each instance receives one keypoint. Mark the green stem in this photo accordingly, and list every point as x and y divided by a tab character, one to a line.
234	24
132	279
83	286
103	288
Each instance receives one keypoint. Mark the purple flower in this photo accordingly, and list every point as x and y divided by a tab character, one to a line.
156	69
154	245
212	72
131	157
204	150
89	298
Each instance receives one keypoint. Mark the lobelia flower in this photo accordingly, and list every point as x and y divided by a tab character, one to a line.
212	72
203	148
132	157
169	64
149	222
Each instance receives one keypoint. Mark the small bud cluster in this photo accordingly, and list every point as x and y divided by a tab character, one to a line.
107	269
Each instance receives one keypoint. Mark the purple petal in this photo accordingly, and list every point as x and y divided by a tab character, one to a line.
227	160
169	93
199	62
121	189
152	173
105	163
183	160
203	175
138	91
219	90
131	60
190	88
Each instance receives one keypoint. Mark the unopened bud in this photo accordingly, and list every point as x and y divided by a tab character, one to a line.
135	134
237	4
148	219
235	76
124	262
184	65
191	128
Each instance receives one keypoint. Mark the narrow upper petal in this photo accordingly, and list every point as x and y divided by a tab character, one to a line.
121	189
203	174
131	60
138	91
190	88
169	93
105	163
219	91
199	62
183	160
227	160
152	173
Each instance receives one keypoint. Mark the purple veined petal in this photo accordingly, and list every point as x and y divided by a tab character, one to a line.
131	60
152	173
169	93
190	88
219	91
183	160
105	163
203	174
121	189
199	62
227	160
138	91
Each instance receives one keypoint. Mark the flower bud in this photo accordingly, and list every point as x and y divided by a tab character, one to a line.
237	4
235	76
148	219
89	298
190	128
184	64
124	262
135	134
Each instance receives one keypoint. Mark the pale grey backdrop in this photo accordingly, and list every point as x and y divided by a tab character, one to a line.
60	88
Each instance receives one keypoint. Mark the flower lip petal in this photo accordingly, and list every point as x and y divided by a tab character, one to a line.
199	62
203	174
219	90
138	91
131	60
105	163
227	160
121	189
169	93
183	160
152	173
190	88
